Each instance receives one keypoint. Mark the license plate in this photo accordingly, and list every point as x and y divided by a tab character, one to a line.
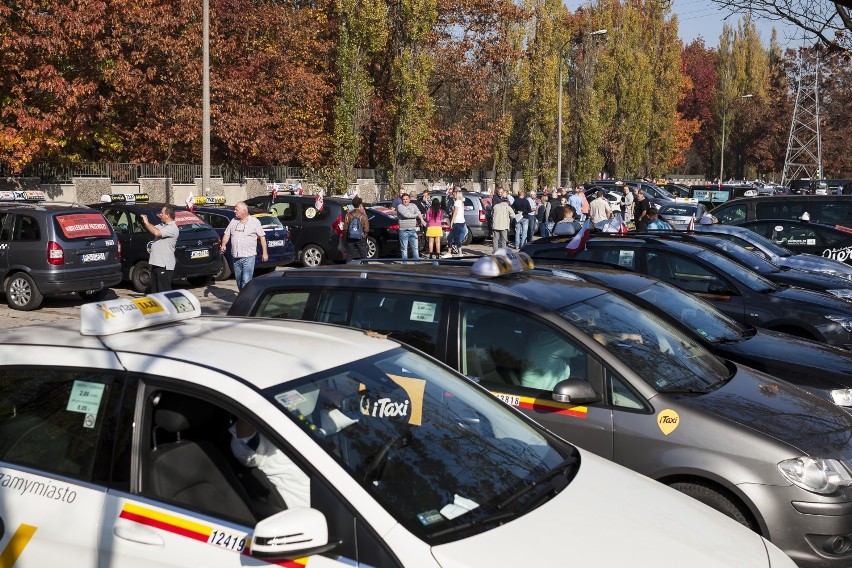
275	243
199	253
94	256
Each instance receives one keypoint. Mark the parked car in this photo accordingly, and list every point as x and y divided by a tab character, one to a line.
822	282
279	247
316	234
683	214
821	369
828	241
653	193
477	215
611	377
614	198
197	254
737	291
827	209
776	253
54	248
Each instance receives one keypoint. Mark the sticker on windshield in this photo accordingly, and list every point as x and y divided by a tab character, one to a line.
403	404
668	420
430	517
85	397
310	213
625	258
458	507
290	399
423	311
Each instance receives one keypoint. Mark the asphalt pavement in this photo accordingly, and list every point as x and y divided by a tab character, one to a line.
216	298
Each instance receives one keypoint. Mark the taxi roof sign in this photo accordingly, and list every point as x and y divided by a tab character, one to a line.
504	261
126	314
209	200
125	198
28	195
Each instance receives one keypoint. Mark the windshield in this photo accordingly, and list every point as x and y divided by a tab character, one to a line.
693	312
661	355
440	455
748	277
746	258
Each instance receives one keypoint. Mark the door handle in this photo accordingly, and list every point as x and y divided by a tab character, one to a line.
136	533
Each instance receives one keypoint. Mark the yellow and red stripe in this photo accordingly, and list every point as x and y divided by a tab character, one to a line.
186	528
551	406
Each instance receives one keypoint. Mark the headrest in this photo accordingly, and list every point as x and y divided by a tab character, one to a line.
707	219
175	413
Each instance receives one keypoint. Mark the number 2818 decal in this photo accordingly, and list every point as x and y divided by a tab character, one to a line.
234	542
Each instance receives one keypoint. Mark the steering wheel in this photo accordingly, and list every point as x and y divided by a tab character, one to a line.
376	467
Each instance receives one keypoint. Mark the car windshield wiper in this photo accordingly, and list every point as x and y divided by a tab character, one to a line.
546	484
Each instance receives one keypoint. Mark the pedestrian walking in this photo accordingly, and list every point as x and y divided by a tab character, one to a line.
355	228
162	259
409	219
641	207
457	224
575	201
501	218
243	232
599	209
521	207
627	203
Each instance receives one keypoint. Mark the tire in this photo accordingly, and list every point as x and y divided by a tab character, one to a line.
93	295
140	276
22	293
468	238
372	248
719	501
312	256
224	270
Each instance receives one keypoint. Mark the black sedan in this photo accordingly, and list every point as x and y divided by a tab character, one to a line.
816	367
829	241
822	282
740	293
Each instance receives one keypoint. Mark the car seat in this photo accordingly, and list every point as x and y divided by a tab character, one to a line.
193	473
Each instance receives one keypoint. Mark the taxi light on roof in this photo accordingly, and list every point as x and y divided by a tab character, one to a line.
209	200
686	200
125	314
504	261
125	198
30	195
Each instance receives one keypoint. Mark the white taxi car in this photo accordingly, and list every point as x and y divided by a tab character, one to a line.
149	436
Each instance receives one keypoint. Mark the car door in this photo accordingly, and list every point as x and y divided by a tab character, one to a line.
5	242
57	433
520	358
696	277
207	470
286	208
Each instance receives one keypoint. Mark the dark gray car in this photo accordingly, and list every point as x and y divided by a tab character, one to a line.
737	291
613	378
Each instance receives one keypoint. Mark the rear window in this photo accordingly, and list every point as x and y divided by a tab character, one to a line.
187	221
679	210
82	225
268	221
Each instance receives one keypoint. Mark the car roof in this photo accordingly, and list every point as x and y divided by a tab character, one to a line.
627	239
226	209
270	351
794	222
49	207
630	282
538	287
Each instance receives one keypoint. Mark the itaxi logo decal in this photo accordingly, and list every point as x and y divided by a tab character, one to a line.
668	421
401	401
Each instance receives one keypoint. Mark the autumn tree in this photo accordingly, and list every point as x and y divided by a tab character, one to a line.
699	66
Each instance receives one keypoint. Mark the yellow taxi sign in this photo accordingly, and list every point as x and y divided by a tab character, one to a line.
29	195
209	200
125	198
504	261
125	314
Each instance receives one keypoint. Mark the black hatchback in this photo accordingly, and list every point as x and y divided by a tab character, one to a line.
737	291
827	241
197	255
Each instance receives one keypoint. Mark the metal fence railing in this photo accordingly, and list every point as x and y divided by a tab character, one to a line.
121	172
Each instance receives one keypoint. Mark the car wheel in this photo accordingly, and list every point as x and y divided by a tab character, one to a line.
372	248
93	295
312	256
224	270
468	238
22	293
717	500
140	276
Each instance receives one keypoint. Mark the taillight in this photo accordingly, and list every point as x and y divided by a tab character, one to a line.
55	254
338	225
118	254
481	215
393	227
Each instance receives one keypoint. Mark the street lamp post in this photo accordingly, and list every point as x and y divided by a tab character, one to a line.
576	39
205	110
724	119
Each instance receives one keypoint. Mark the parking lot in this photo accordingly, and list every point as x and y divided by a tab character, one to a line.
215	299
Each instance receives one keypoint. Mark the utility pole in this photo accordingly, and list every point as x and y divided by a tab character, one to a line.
804	147
205	110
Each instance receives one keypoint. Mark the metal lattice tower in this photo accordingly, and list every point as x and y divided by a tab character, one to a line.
804	147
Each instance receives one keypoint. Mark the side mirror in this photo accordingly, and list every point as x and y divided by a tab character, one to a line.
294	533
575	391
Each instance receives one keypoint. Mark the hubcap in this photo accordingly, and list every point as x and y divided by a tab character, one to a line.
312	257
371	248
20	291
